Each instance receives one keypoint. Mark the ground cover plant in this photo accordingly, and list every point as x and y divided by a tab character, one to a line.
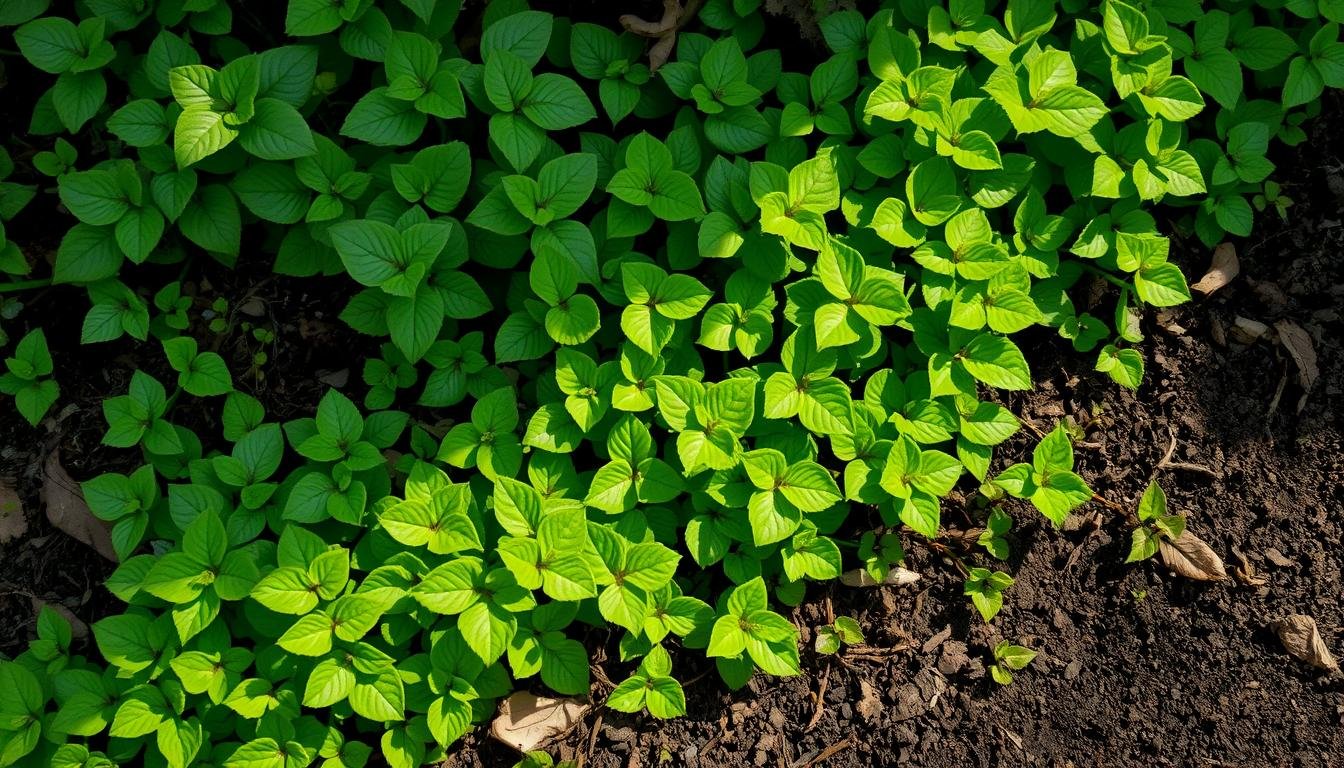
709	328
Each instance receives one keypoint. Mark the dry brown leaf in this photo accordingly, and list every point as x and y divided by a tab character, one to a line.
870	704
1225	266
337	379
1300	637
1246	330
13	524
67	511
526	721
1298	343
1190	557
896	577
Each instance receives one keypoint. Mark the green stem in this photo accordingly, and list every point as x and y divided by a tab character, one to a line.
8	52
1107	276
172	400
24	285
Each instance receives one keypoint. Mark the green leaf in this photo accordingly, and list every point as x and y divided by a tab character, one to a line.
383	121
276	132
997	362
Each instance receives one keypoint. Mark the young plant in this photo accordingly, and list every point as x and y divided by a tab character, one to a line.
1009	658
28	378
843	631
1154	524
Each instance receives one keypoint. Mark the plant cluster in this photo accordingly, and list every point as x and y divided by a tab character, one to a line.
735	319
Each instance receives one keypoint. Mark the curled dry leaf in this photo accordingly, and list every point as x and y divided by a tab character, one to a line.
12	522
1302	639
526	721
1190	557
67	511
1298	343
1225	266
896	577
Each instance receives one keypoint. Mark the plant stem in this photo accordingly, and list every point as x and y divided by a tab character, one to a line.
24	285
172	400
1107	276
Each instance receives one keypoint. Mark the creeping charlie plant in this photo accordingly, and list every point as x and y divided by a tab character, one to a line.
653	368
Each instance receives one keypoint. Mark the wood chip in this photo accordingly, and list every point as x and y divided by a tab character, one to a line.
1298	343
933	642
67	511
526	721
13	523
1225	266
1190	557
896	577
1302	639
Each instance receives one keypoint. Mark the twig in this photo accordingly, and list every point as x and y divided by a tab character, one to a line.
1167	463
821	700
839	746
592	738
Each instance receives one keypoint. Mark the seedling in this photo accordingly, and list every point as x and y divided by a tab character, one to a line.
831	637
992	537
28	378
1009	658
1154	524
985	588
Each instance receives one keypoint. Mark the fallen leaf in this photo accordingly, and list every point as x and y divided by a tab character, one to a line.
526	721
78	629
869	705
337	379
1190	557
13	524
1246	330
1225	266
1300	637
1278	558
896	577
67	511
253	307
1298	343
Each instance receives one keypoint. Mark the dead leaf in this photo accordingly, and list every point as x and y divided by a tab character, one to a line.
870	704
896	577
1225	266
337	379
526	721
13	524
1246	330
1298	343
67	511
1300	637
1245	570
1190	557
253	307
78	629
